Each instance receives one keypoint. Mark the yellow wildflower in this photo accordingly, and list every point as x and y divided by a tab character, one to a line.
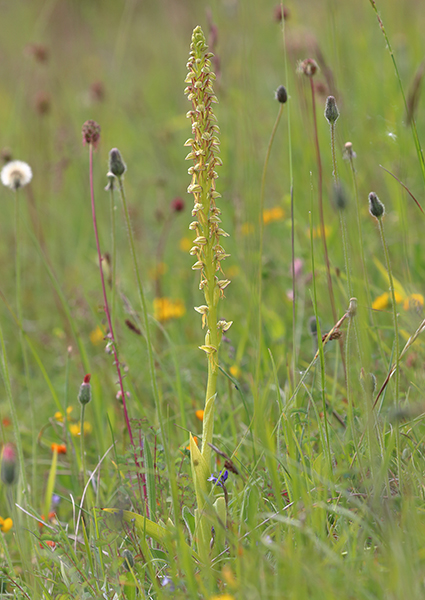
166	309
6	524
273	214
414	302
384	300
75	428
222	597
185	244
58	416
235	371
96	336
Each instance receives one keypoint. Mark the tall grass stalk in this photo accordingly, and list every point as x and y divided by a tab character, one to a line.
309	68
105	297
119	174
377	210
261	237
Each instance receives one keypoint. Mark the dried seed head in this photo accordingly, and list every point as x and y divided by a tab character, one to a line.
376	208
349	153
331	110
116	164
281	94
308	67
16	174
91	133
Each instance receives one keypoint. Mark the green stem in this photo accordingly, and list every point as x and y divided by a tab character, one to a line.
83	458
154	384
260	250
396	341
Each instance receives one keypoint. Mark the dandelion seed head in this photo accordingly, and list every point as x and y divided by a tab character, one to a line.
16	174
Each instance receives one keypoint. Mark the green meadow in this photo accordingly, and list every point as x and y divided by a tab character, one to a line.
270	443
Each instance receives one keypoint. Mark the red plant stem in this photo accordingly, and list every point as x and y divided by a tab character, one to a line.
105	300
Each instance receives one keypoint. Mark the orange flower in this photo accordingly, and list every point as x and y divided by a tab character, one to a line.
59	448
195	439
273	214
200	415
49	543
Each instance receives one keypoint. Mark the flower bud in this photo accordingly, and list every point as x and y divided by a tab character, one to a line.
116	164
376	208
281	94
8	464
84	395
331	110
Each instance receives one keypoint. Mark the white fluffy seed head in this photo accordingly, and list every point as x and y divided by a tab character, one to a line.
16	174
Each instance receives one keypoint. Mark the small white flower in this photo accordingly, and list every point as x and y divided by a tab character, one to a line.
16	174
